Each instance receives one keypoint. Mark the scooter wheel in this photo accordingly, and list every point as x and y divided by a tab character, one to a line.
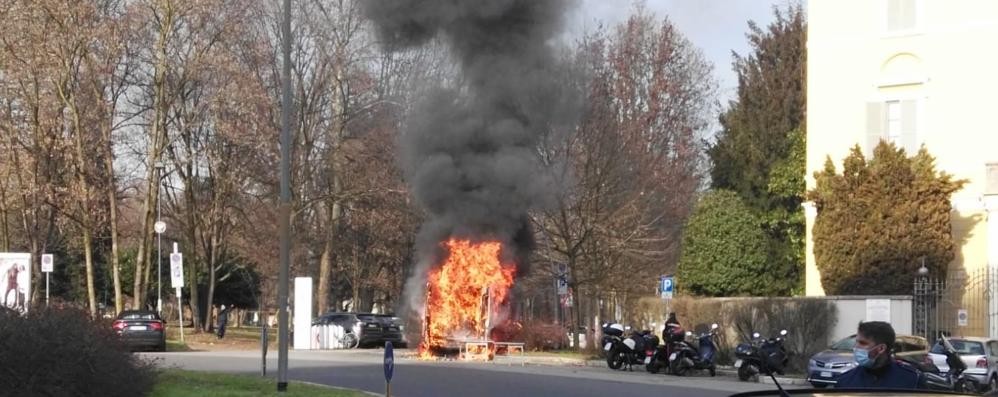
745	372
653	368
615	359
713	371
677	367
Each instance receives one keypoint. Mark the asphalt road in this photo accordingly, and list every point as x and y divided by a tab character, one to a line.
363	370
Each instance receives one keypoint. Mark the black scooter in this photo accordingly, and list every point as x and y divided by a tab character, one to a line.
761	356
657	356
688	356
625	352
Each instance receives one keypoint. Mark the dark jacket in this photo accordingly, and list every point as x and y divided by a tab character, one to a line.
894	376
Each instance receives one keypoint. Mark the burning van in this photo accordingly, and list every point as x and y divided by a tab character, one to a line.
463	300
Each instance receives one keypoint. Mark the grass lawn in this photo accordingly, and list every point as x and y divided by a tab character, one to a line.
177	383
246	338
177	346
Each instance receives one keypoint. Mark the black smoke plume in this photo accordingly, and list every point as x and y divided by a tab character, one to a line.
469	152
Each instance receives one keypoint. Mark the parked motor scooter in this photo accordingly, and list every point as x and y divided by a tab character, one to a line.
699	356
761	356
626	351
659	358
953	380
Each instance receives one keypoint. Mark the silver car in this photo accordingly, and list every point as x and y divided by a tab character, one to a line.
980	355
825	368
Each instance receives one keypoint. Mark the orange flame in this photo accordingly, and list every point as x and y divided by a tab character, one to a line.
463	293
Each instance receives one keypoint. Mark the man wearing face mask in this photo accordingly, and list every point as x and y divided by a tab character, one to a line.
876	367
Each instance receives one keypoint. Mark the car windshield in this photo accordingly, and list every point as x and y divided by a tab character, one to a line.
367	317
845	344
962	347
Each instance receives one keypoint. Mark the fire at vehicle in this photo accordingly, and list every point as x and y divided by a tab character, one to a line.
464	297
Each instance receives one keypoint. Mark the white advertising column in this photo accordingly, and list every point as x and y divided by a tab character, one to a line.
303	313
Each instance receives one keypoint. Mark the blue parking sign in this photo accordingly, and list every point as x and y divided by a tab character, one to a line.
667	286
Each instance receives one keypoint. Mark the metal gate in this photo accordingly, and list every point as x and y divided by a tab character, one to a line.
962	304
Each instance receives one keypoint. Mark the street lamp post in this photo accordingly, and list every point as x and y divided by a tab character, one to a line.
285	202
160	228
922	301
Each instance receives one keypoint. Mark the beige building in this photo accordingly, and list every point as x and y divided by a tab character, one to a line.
914	72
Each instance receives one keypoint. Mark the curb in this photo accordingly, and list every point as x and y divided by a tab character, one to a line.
365	392
784	380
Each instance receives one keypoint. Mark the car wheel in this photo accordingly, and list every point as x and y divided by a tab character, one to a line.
350	341
819	385
993	383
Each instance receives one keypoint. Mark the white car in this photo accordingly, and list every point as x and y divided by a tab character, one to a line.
980	355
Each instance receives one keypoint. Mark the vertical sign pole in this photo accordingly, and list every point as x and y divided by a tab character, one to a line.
180	314
263	349
47	267
177	276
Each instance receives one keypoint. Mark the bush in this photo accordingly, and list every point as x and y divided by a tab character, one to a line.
64	353
536	336
809	322
726	252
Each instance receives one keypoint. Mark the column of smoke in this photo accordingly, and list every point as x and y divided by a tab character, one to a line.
469	153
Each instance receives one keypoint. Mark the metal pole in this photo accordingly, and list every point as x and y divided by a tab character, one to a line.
285	204
180	314
159	247
46	289
263	350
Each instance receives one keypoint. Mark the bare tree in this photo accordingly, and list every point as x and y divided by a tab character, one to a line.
632	167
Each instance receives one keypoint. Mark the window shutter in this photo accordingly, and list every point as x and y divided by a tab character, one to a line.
991	184
908	15
875	120
909	126
894	15
901	14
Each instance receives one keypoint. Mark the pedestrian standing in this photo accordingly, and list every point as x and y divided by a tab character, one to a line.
876	367
223	318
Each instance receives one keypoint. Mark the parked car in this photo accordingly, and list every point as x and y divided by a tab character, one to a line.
980	355
393	330
348	321
368	329
825	368
141	330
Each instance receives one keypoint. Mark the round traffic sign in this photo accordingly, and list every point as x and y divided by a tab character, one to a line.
389	361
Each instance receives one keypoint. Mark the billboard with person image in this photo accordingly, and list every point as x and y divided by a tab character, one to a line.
15	281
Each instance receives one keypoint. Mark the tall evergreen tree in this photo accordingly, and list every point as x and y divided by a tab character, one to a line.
879	218
759	153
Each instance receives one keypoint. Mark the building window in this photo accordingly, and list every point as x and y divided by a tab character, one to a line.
893	131
894	121
901	15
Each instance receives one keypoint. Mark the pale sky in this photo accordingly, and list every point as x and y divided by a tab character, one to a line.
715	26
